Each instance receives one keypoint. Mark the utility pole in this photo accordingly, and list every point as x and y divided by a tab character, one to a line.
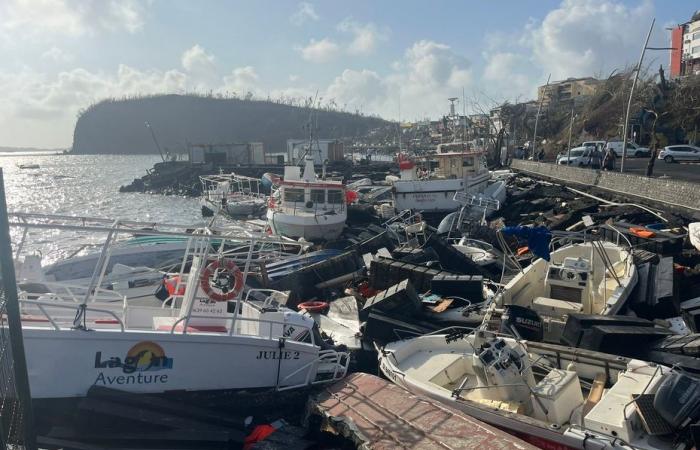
571	126
629	103
153	135
537	117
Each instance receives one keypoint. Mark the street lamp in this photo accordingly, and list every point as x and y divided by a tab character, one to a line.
571	126
634	83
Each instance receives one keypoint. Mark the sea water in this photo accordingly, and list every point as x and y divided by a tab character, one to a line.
85	185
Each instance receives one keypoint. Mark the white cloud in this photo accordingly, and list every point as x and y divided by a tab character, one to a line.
241	80
509	76
359	90
319	51
293	78
57	55
43	18
201	67
587	37
305	13
365	36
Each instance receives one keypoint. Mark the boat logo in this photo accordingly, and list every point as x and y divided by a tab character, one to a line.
145	356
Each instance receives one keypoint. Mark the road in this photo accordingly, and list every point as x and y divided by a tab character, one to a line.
677	171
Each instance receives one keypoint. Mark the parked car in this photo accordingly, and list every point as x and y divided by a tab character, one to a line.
673	153
598	144
632	149
579	157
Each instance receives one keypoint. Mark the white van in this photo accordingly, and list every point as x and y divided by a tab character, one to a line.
632	149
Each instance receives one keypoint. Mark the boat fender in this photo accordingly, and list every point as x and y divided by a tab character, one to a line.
222	270
313	306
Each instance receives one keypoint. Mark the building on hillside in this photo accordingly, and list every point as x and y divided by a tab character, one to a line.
570	89
239	153
685	44
322	150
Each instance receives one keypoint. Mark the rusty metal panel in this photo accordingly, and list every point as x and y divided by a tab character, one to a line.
380	415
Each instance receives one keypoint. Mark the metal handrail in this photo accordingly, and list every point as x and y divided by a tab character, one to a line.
58	305
232	318
340	361
97	294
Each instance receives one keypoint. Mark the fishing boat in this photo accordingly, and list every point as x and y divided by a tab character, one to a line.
591	277
459	172
551	396
306	206
211	334
234	195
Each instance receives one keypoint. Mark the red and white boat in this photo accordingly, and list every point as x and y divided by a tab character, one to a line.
459	171
306	206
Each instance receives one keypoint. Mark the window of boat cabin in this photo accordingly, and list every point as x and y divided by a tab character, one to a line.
335	197
318	196
468	161
294	195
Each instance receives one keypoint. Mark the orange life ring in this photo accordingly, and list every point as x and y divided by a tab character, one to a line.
232	269
313	306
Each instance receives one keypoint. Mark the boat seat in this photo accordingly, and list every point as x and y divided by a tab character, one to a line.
560	394
427	365
608	415
553	307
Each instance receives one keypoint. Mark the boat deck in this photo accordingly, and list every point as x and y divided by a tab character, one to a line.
381	415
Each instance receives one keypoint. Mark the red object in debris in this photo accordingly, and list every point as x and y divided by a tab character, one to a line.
258	434
522	250
366	291
642	232
313	306
171	284
679	268
350	197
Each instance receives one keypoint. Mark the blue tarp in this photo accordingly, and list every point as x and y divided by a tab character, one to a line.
538	238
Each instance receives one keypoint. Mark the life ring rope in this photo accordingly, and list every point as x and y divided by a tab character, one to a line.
214	269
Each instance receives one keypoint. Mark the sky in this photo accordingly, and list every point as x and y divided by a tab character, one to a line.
396	59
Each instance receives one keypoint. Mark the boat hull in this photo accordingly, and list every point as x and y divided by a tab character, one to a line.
157	362
310	227
435	195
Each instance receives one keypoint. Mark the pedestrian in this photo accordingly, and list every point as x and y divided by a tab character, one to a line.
609	159
540	155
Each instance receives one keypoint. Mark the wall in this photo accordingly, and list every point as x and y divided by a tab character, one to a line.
679	194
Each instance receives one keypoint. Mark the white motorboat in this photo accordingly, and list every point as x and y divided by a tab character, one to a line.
190	342
551	396
593	277
234	195
459	172
306	206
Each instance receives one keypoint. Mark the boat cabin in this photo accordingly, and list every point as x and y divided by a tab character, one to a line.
451	161
308	194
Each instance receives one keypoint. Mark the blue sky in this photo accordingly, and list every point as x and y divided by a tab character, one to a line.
62	55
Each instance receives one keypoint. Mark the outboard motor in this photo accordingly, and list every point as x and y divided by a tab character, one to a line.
526	323
678	399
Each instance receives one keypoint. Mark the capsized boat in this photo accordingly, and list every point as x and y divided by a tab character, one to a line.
552	396
306	206
234	195
210	334
591	277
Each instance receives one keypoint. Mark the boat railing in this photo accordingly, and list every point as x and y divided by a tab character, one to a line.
335	364
41	305
271	295
73	293
284	327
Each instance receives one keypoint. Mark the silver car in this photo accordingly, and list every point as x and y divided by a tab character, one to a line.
673	153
